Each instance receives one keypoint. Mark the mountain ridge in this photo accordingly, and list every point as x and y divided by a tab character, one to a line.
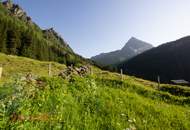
169	61
132	48
19	35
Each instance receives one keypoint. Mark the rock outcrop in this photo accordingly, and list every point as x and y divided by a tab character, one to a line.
51	34
17	11
81	71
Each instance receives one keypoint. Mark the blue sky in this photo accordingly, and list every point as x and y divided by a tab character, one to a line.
94	26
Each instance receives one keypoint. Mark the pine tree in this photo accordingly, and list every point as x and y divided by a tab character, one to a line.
11	42
3	39
26	41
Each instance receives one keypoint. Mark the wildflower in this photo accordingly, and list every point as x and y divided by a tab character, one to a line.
10	102
3	105
130	121
127	129
122	114
39	104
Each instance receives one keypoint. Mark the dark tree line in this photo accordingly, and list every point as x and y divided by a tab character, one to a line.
168	61
20	38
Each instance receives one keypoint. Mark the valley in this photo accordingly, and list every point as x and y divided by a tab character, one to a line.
45	84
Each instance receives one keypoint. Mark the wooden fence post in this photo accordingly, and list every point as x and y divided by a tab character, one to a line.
121	73
49	69
158	82
1	71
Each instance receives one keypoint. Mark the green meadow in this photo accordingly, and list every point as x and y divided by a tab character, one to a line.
100	100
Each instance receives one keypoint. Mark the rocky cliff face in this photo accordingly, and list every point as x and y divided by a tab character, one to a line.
50	34
17	11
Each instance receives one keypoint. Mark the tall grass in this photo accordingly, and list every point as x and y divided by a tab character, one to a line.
88	103
98	101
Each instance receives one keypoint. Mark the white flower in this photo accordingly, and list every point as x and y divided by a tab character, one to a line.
127	129
122	114
131	121
3	105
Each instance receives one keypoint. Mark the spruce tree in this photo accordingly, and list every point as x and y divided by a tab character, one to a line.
3	37
11	42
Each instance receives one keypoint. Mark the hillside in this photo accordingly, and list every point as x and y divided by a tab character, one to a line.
132	48
14	66
170	61
19	35
100	100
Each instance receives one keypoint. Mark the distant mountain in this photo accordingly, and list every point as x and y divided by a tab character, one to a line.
132	48
171	61
19	35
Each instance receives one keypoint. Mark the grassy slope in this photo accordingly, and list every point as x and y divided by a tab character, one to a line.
99	101
20	66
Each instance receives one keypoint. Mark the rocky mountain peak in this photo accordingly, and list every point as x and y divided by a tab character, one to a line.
131	49
133	38
17	11
136	44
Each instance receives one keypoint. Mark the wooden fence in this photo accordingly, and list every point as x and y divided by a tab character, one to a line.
1	71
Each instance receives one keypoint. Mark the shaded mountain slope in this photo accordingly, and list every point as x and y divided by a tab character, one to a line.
170	61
